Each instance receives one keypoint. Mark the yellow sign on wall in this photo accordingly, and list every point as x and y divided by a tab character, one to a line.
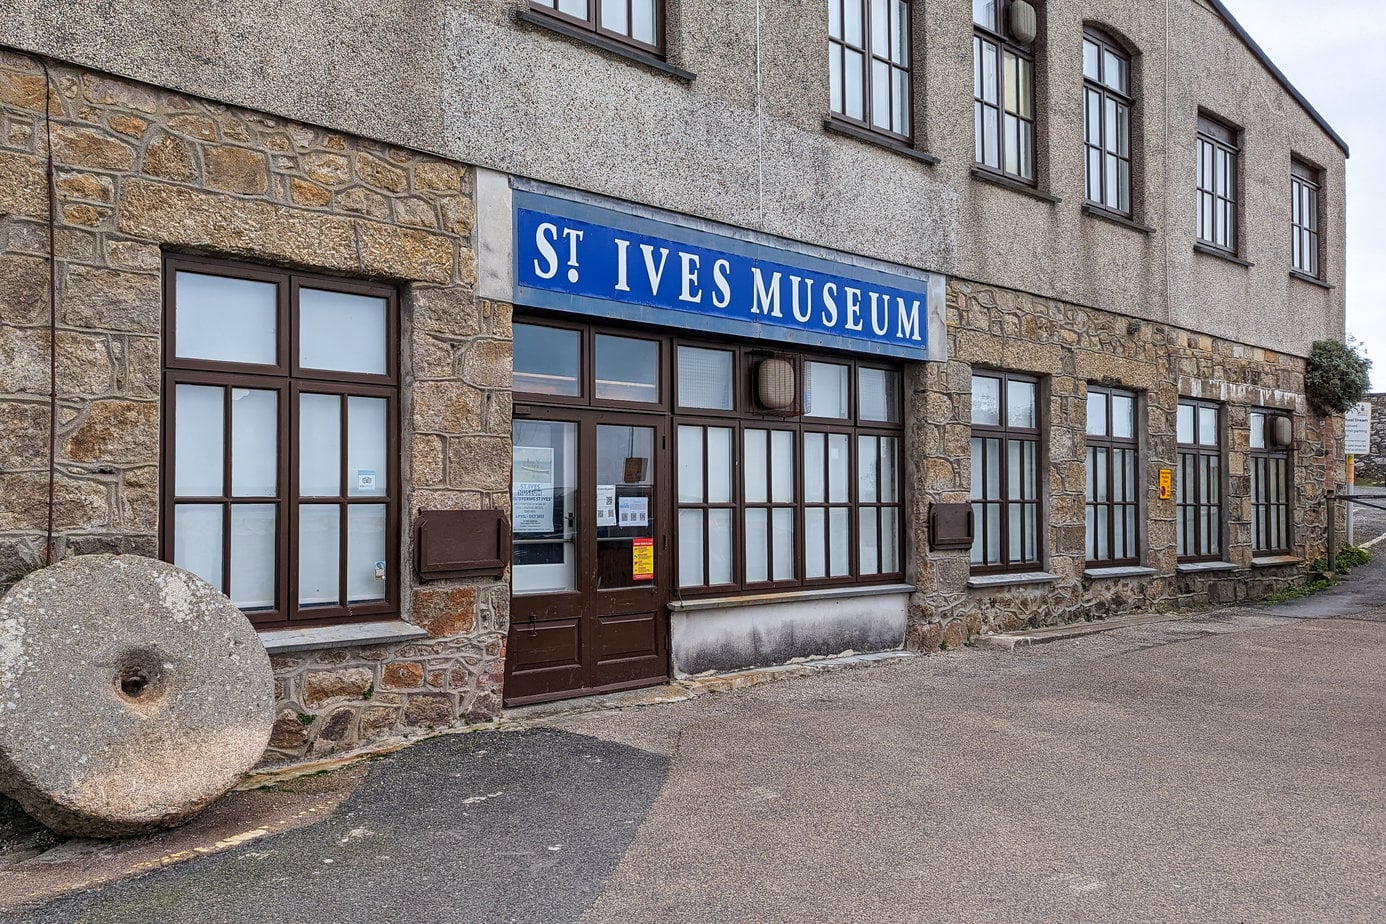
1166	483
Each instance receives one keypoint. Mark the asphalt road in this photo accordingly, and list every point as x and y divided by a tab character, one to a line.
1228	767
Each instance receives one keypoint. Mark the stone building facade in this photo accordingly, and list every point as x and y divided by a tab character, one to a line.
469	168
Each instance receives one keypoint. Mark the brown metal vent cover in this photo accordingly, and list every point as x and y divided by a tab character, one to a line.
950	526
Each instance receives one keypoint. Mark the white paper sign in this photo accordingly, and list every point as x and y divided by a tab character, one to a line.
365	479
635	511
531	492
1357	429
606	505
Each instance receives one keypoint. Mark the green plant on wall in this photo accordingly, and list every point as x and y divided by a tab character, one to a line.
1335	378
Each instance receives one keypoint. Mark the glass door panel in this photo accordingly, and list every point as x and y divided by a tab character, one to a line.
625	507
544	485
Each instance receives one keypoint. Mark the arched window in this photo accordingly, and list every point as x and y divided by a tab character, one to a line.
1003	86
1107	122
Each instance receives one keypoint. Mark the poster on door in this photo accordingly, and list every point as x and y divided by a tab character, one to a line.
642	560
634	511
531	492
606	505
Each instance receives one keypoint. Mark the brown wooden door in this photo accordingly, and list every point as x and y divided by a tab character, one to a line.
590	571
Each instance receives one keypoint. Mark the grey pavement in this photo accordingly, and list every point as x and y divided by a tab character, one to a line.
1227	767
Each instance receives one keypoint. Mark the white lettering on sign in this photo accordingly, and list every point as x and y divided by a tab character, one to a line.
545	236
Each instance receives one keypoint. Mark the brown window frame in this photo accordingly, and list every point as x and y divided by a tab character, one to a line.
1003	45
593	23
1260	461
1216	139
1191	474
1306	209
838	50
1032	437
288	380
1101	88
744	415
1107	466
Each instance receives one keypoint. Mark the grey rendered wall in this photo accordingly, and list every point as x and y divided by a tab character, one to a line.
743	142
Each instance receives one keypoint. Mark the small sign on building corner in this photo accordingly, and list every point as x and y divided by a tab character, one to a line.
1166	483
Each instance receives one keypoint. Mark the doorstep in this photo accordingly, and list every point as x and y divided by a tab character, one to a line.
1009	641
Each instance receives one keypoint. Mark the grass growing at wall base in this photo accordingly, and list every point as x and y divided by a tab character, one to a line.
1349	557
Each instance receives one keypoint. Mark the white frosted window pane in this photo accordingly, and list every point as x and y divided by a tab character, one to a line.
1020	404
576	8
1208	426
815	543
254	442
627	368
319	445
839	467
197	442
986	400
839	529
229	320
867	459
366	441
253	556
835	77
880	28
851	21
835	19
719	546
890	476
719	465
690	548
783	520
1123	416
340	331
1258	431
757	545
815	487
757	483
825	390
901	116
880	94
878	394
365	547
854	66
984	13
691	465
1186	423
867	550
197	540
642	20
782	466
319	553
890	539
1097	414
614	16
705	378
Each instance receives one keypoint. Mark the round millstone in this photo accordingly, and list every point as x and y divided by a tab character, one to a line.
132	695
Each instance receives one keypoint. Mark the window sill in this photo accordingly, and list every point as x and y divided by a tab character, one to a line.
1121	571
1204	567
1200	247
1005	182
852	130
539	20
316	638
1007	580
792	596
1097	211
1275	561
1312	280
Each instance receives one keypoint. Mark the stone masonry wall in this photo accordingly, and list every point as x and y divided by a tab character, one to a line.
141	171
1068	347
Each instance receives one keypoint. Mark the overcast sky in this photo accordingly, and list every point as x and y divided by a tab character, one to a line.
1334	52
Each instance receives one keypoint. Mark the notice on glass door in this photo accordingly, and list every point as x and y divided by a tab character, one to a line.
634	511
642	559
531	492
606	505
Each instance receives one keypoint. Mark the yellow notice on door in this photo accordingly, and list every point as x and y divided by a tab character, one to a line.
642	559
1166	483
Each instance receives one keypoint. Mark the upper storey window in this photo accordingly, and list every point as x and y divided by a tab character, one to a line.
639	23
869	63
1217	184
1304	219
1107	122
1003	86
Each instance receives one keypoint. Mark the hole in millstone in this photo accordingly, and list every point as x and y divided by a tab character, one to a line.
139	678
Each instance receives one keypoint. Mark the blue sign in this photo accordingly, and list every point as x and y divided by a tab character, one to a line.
596	261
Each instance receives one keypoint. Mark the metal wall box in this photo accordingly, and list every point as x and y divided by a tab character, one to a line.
950	526
461	543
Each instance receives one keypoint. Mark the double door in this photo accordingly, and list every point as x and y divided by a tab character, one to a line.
591	565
